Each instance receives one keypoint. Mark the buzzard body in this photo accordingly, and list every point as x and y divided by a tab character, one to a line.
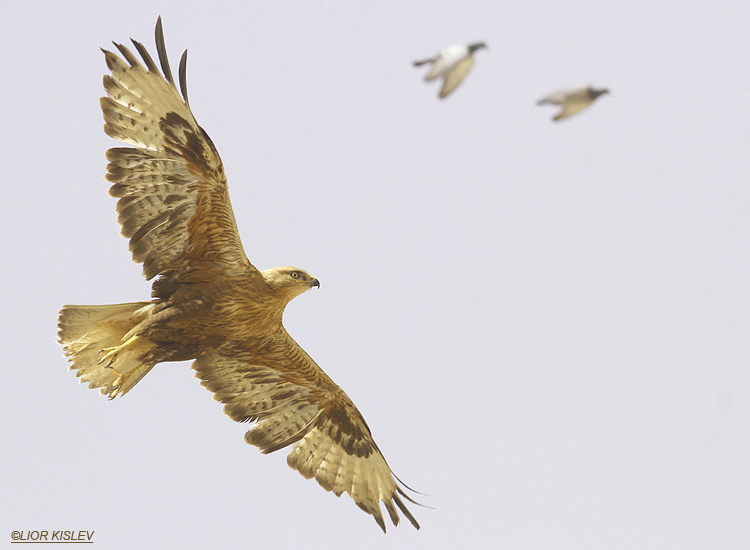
210	304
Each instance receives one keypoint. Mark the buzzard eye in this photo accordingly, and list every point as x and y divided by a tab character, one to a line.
295	275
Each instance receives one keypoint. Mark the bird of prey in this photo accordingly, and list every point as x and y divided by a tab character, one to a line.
209	303
572	101
453	64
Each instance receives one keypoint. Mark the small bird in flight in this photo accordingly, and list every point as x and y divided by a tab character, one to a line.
453	64
572	101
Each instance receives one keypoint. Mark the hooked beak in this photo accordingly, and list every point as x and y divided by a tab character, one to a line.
315	283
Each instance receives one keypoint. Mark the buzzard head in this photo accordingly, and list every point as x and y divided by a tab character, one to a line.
289	282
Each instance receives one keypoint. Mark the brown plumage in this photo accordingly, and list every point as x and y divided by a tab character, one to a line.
209	302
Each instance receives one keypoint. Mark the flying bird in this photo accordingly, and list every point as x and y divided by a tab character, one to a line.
210	304
572	101
453	64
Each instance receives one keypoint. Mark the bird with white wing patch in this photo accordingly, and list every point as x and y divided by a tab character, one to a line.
452	64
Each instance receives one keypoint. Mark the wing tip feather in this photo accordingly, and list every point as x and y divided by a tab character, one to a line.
162	51
406	511
183	77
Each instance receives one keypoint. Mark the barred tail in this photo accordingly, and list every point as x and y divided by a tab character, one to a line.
97	343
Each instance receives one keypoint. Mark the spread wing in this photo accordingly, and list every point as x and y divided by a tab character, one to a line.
174	205
553	99
572	106
293	402
454	77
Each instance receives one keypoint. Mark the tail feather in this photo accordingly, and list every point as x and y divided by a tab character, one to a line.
94	340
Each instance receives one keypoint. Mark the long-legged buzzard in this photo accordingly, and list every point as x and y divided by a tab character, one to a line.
209	302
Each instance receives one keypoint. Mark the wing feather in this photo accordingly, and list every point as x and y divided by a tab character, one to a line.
455	76
298	405
150	65
572	107
174	205
183	77
161	50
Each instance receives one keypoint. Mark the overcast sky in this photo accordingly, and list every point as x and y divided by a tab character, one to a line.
545	325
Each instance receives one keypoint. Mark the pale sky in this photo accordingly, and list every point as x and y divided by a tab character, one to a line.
545	325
